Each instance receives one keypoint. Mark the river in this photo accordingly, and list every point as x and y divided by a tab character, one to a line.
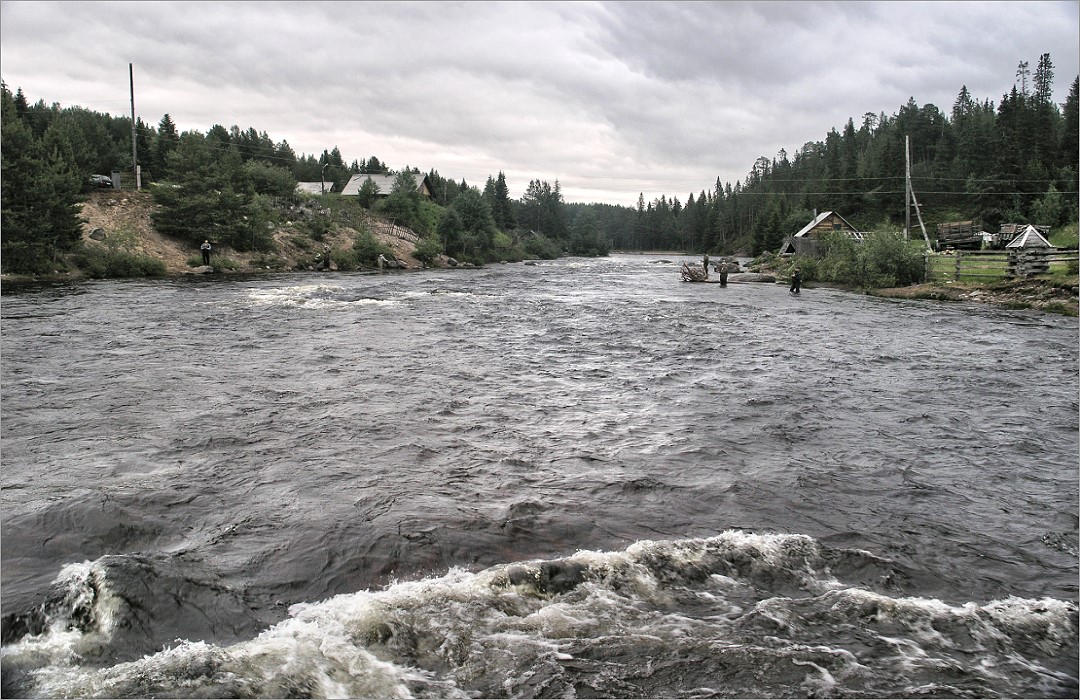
571	478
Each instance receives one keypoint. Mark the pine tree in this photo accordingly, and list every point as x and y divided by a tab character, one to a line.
39	195
164	143
501	209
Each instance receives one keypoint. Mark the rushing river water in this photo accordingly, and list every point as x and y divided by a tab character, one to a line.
579	478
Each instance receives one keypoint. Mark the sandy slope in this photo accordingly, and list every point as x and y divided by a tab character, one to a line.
119	214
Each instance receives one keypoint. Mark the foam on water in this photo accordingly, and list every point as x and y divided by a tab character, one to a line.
660	618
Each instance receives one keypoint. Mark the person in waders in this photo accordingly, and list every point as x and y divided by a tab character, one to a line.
205	248
722	270
705	265
796	281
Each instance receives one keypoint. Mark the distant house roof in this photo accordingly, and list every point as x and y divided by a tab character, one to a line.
385	183
1029	238
805	241
314	187
820	218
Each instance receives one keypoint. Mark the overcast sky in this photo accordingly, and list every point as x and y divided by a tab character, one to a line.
611	99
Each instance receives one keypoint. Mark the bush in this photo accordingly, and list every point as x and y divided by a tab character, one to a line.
427	250
542	247
883	259
367	250
102	263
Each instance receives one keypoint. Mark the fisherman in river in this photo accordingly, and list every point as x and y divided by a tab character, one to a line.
723	270
796	281
705	265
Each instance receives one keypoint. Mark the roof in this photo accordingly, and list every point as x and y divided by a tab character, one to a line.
1029	238
385	183
821	217
314	187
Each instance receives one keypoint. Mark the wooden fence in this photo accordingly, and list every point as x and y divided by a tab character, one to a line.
987	266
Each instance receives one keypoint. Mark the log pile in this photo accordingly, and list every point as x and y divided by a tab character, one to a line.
695	273
958	234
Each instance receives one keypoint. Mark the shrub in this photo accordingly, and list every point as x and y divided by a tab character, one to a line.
102	263
367	249
883	259
427	249
542	247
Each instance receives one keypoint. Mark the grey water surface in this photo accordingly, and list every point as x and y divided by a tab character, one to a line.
574	478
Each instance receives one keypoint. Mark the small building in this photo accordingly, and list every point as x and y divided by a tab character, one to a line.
315	187
805	242
1030	237
385	183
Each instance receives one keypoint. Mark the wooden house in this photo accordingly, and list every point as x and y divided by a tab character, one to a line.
806	241
385	183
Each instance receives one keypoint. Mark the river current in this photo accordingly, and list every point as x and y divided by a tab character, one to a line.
571	478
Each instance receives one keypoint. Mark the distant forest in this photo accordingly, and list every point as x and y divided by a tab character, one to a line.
1016	161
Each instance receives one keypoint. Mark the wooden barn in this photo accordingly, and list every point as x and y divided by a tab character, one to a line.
805	242
385	183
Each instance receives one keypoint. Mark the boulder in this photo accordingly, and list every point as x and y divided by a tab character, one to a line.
750	277
98	234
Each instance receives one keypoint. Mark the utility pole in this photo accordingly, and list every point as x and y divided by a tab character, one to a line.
911	198
907	187
134	142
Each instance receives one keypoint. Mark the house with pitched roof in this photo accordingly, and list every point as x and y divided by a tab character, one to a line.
314	187
385	183
806	241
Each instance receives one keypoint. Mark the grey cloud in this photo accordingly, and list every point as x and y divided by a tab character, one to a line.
604	96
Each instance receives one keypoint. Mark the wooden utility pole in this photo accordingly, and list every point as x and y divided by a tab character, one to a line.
910	192
907	187
134	141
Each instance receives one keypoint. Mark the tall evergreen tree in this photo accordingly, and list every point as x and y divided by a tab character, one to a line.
164	143
501	209
39	195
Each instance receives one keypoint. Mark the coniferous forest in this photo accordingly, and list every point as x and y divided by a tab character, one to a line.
1015	160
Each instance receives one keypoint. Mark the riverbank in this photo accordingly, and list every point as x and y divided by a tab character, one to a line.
123	220
1040	294
114	218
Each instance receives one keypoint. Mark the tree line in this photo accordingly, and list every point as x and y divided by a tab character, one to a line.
1016	161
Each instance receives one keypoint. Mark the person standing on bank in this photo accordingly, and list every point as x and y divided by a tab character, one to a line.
796	281
205	248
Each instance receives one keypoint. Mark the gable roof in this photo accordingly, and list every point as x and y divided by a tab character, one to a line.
314	187
821	217
1029	238
385	183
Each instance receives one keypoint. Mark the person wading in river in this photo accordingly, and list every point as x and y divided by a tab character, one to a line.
796	281
705	265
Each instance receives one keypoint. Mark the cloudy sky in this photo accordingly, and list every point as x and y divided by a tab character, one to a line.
611	99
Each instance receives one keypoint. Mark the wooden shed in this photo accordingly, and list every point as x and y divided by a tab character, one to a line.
805	242
385	183
1030	237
